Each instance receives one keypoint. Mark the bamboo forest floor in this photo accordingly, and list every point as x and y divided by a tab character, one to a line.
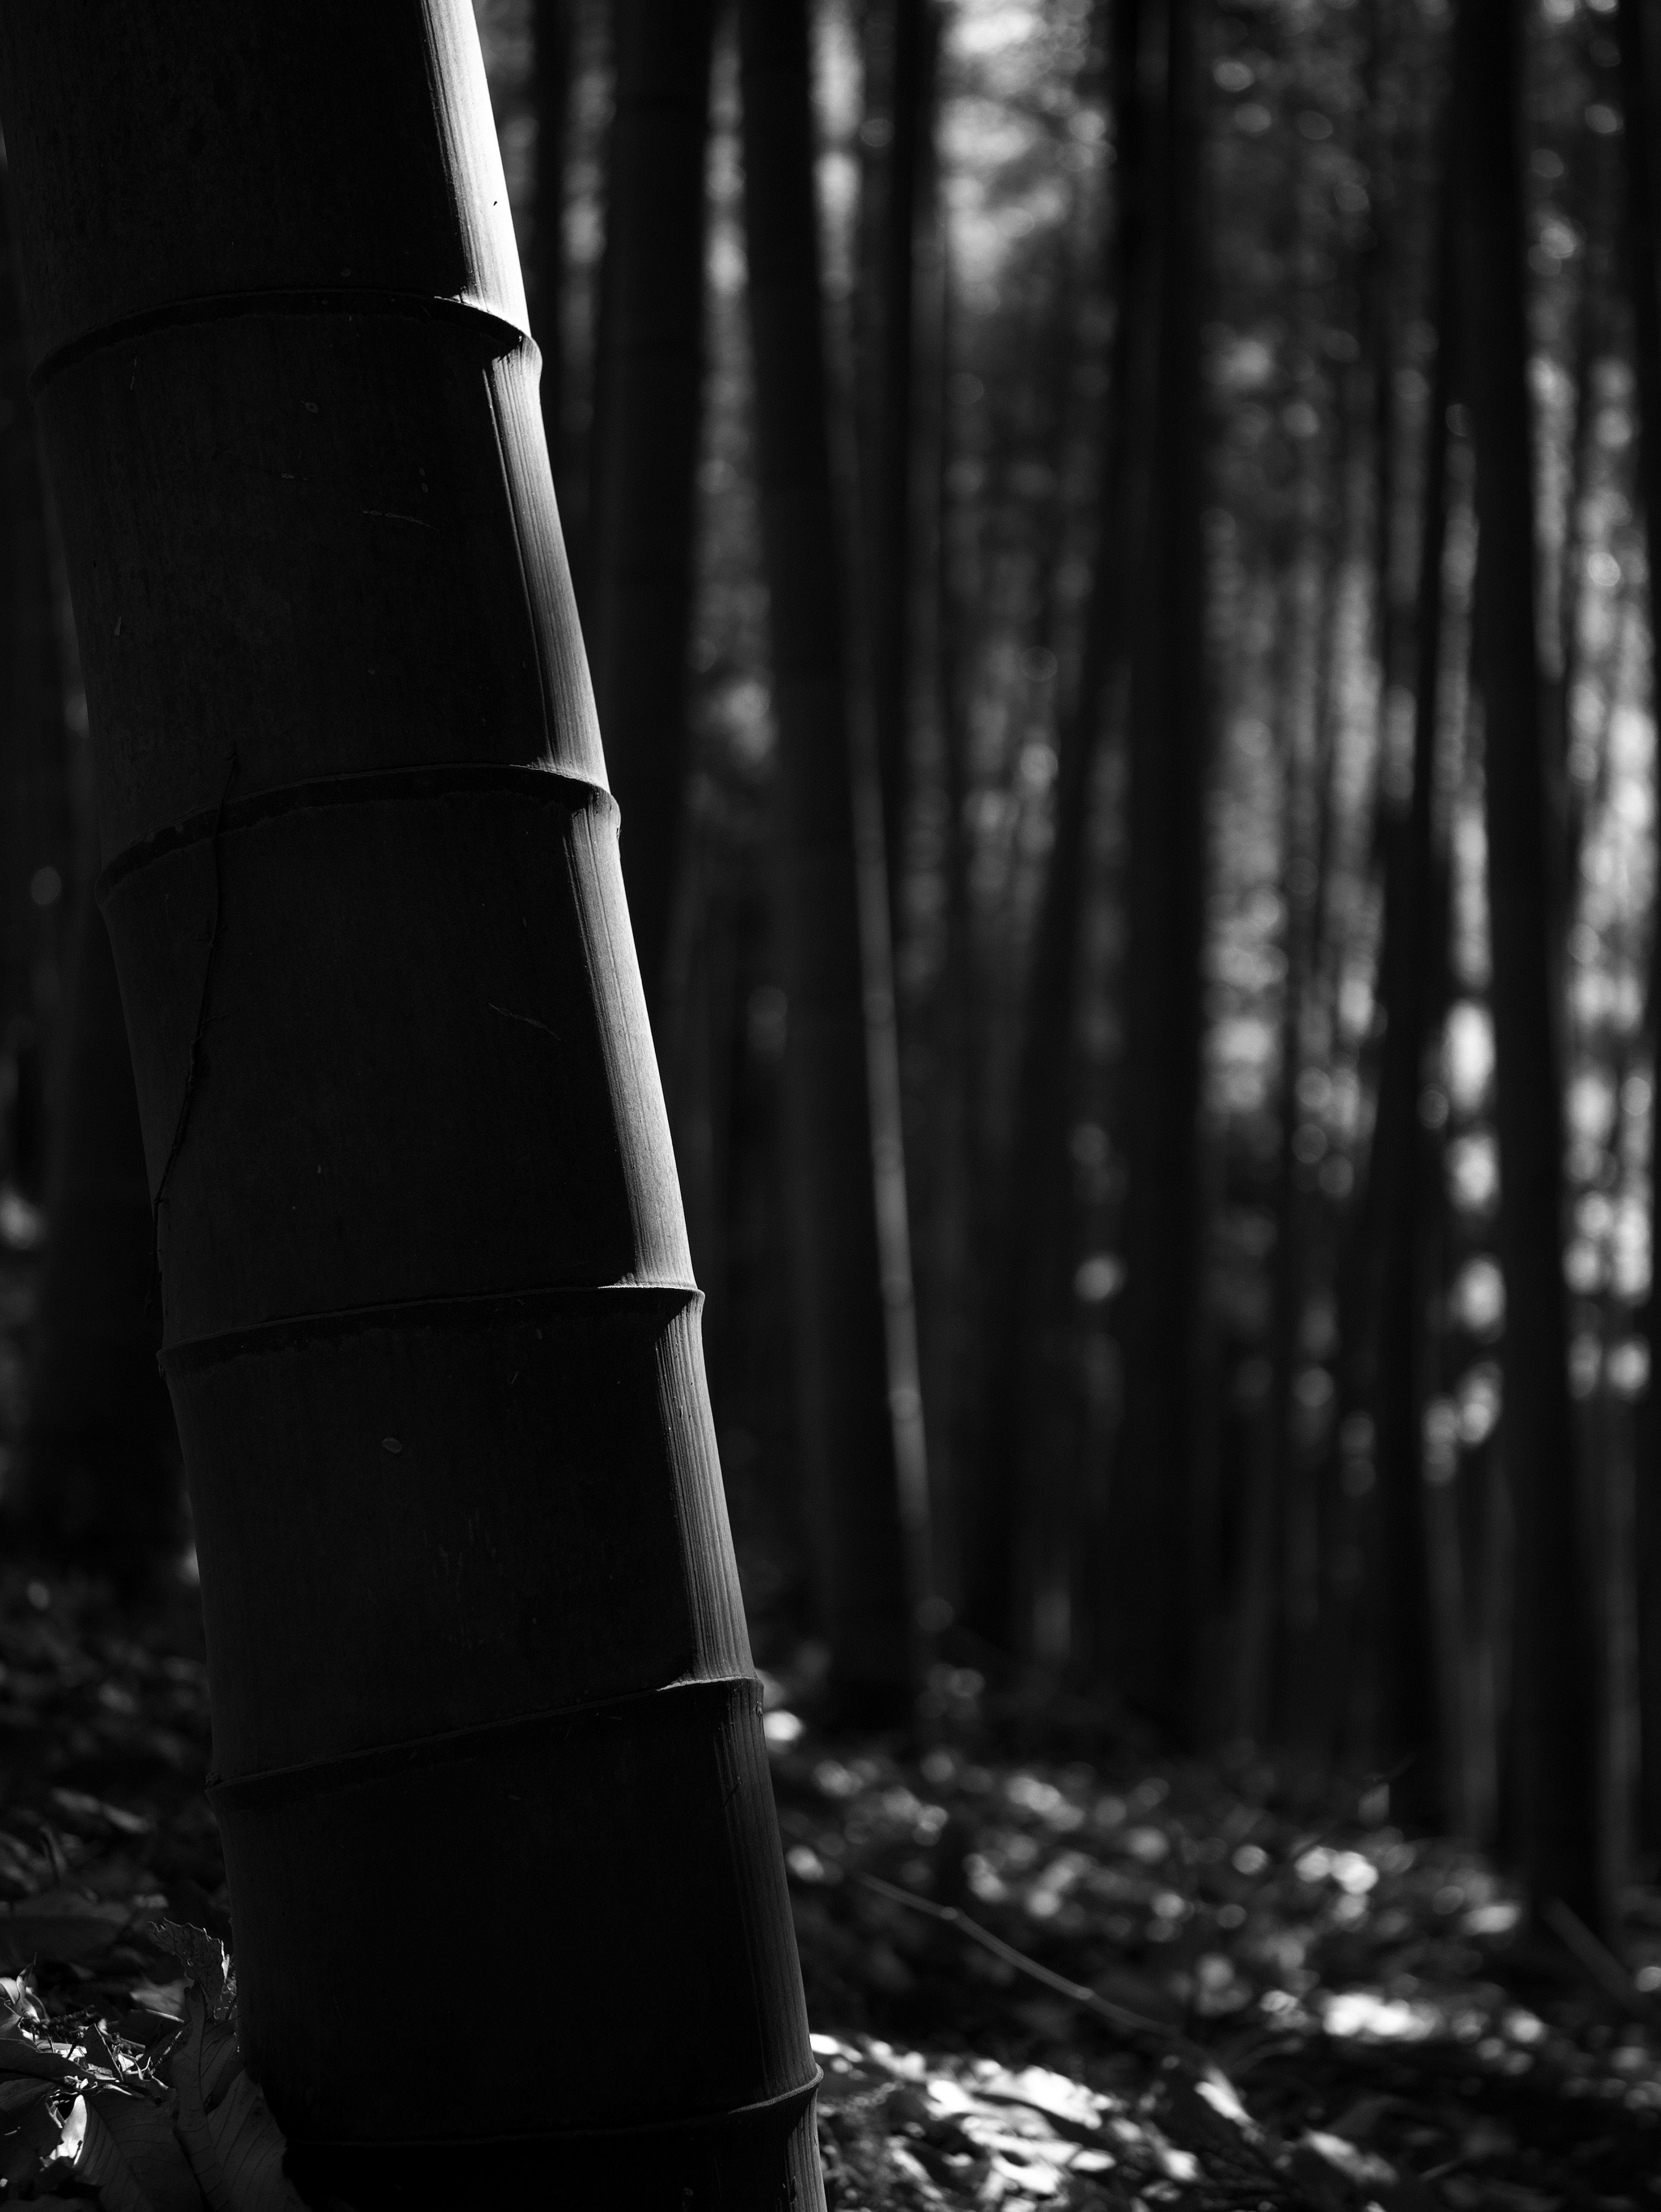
1252	2000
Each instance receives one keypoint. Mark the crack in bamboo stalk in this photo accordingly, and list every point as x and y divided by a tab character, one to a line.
193	1064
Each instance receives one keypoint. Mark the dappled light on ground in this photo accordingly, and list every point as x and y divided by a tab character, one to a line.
1043	1969
1333	2013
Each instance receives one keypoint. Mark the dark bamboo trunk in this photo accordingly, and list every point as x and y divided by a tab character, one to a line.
428	1321
947	1179
1402	1194
1248	1703
1589	209
1022	1289
956	1149
1272	1672
1556	1705
1378	338
36	835
909	31
100	1479
1312	960
648	377
842	1379
552	58
1152	1500
1636	28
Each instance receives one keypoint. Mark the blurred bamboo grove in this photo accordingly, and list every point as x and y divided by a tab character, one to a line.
1114	541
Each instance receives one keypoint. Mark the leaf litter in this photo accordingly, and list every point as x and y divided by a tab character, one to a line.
1043	1967
1253	1988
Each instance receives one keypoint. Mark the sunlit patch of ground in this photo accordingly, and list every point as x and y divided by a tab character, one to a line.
1385	2029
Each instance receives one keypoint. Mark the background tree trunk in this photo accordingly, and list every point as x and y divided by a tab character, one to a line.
1556	1709
552	60
648	377
98	1480
36	832
101	1482
1152	1503
902	37
847	1434
1401	1192
1023	1279
427	1319
1643	227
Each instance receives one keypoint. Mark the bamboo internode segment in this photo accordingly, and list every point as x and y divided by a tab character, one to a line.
433	957
428	1319
310	1848
159	156
330	500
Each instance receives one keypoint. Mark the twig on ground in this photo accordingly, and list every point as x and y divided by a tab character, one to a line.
1595	1959
1118	2016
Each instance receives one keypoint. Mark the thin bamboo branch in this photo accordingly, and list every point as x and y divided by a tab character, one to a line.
1119	2017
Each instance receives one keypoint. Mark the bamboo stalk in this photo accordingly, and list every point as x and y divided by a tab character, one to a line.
472	1617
